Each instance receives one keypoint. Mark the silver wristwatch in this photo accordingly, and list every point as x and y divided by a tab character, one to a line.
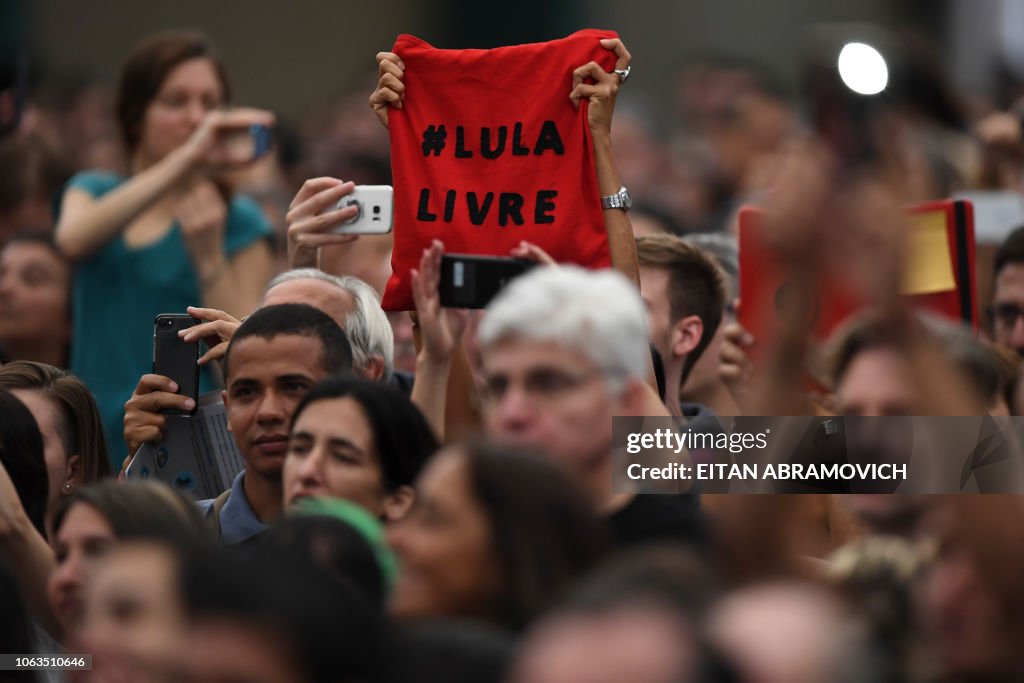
619	200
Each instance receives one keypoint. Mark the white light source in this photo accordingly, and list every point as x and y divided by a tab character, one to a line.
863	69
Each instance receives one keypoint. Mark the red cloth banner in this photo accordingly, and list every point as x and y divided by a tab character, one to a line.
488	150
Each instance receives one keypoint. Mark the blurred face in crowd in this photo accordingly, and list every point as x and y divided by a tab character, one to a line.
876	382
1008	307
332	453
59	467
132	618
637	643
34	286
962	617
553	398
780	633
222	650
190	91
447	566
84	536
267	379
969	602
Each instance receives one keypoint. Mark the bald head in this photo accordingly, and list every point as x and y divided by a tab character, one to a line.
328	297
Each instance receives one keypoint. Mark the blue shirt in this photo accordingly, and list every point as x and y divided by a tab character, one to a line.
119	290
238	522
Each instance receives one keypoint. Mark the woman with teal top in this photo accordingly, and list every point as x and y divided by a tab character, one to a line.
169	235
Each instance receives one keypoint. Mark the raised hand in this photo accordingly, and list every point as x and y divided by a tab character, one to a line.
216	332
441	328
311	217
390	88
143	420
212	146
202	214
604	89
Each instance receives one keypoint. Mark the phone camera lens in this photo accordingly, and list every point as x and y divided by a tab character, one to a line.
376	208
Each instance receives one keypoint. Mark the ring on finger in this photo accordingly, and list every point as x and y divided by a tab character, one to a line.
622	73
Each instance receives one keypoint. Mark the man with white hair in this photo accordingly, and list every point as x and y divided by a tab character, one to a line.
353	304
564	350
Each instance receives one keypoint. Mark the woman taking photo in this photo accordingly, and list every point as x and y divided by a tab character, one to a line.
169	235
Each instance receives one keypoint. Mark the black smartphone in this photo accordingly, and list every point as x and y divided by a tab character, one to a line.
469	281
175	358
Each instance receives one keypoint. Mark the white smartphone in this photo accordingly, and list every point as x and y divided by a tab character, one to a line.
375	204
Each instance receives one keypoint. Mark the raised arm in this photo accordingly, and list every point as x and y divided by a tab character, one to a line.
441	331
87	223
602	94
621	241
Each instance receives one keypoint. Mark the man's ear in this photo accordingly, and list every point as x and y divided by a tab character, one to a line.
398	502
634	397
224	400
373	370
685	335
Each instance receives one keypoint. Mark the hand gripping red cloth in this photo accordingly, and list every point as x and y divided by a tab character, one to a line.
488	150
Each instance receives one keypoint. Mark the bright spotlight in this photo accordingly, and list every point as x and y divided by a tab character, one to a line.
863	69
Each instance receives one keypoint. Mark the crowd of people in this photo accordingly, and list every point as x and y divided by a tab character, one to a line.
428	495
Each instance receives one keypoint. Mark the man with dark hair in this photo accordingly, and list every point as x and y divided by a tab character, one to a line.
274	358
299	320
703	384
1007	308
685	296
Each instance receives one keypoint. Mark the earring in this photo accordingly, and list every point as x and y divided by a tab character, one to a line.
68	488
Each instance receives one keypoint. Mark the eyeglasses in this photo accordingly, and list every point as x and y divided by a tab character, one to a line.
542	384
1005	314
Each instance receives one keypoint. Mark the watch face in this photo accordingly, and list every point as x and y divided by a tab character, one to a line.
624	197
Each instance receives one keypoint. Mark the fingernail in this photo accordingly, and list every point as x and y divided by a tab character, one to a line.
173	386
189	404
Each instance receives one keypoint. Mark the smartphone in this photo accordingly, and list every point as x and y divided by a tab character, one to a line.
175	358
469	281
250	143
375	204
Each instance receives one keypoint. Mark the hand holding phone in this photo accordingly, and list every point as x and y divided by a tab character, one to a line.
228	138
375	210
249	144
470	281
176	358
